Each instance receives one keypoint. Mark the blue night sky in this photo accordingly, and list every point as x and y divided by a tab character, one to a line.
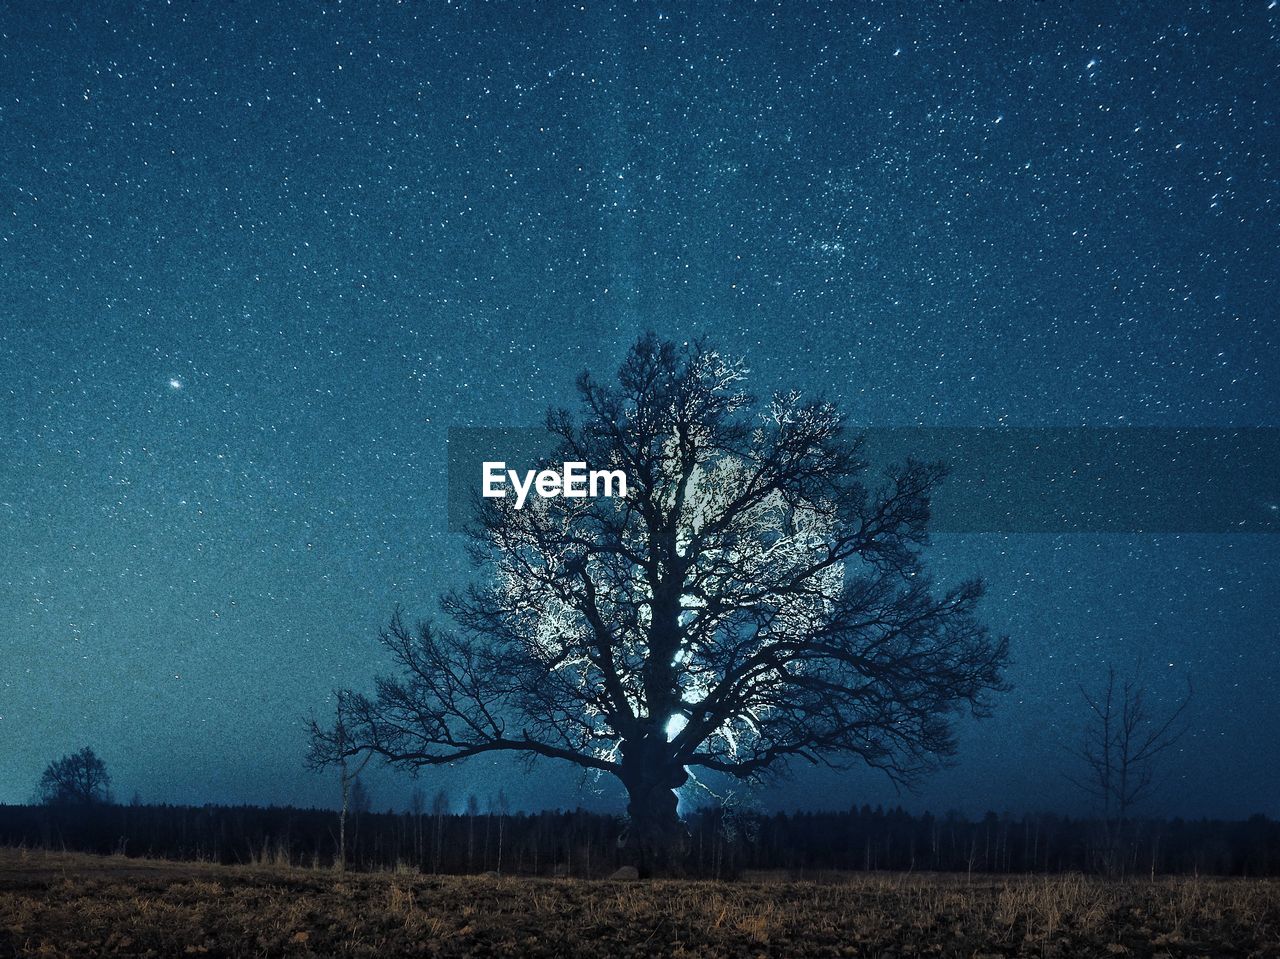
256	259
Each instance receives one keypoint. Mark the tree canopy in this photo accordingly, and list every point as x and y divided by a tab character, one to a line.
78	778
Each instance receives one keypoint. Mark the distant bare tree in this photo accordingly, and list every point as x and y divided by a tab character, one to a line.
361	799
439	809
756	599
473	810
76	779
502	806
417	806
348	777
1124	737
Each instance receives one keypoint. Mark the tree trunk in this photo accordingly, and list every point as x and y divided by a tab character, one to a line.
656	840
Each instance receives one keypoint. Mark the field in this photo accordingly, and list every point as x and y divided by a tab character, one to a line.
55	904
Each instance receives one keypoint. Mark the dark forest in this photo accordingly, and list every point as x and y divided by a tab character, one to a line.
724	843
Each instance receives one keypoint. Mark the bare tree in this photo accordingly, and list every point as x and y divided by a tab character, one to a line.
417	805
752	601
502	806
473	810
78	778
1124	737
439	809
349	777
361	799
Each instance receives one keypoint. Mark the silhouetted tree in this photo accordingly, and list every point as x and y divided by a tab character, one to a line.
503	808
1124	736
348	777
417	805
79	778
439	809
751	601
473	810
361	800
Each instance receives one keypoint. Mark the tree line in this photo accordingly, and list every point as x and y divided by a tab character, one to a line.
435	838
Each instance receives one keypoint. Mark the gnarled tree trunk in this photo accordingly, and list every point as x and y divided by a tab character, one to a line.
656	840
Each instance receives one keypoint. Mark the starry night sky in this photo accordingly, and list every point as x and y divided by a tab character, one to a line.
256	259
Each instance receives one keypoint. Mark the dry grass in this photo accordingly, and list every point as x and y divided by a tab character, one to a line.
59	905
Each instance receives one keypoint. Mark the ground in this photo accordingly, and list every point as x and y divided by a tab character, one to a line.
57	904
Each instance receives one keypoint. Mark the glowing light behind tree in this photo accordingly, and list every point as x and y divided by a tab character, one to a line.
750	602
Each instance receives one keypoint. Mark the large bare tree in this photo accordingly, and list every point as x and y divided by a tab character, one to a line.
754	601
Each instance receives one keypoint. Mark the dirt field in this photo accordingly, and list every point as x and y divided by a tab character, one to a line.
79	906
